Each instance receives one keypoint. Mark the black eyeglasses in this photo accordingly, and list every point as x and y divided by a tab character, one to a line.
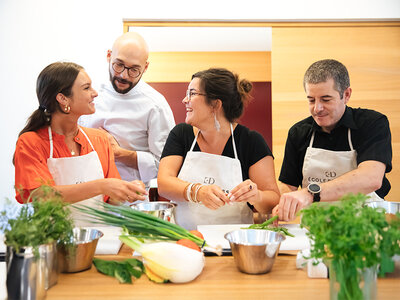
132	71
190	94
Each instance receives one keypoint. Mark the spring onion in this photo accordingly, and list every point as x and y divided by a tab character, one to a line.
140	224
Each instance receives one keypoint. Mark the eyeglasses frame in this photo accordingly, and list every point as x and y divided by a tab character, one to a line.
190	94
125	67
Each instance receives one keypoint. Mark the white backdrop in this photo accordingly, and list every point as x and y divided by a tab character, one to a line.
36	33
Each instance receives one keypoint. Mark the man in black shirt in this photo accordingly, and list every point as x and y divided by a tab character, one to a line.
335	151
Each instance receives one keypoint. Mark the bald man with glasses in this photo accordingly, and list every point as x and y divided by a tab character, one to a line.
137	118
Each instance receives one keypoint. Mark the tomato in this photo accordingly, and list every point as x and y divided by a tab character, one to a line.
197	233
188	243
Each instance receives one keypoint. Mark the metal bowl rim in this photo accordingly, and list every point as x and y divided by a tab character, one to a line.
262	244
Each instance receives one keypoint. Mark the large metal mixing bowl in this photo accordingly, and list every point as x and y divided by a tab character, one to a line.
78	256
254	250
160	209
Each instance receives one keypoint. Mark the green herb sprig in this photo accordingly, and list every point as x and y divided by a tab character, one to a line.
267	225
351	236
44	220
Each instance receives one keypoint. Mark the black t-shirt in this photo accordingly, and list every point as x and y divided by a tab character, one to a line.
250	145
370	136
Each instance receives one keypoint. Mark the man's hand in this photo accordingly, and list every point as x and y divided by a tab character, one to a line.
127	157
114	144
290	203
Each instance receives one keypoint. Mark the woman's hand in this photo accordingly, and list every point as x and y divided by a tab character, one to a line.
121	191
275	212
247	191
212	196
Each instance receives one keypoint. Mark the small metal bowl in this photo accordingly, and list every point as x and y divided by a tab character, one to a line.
79	255
160	209
254	250
389	206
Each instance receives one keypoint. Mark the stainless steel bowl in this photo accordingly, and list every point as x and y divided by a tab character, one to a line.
389	206
79	255
160	209
254	250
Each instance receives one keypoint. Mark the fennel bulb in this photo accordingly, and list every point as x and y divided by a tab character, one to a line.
170	261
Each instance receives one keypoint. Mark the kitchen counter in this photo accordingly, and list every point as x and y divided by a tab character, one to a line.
220	279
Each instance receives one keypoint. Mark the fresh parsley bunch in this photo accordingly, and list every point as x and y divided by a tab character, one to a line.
44	220
351	237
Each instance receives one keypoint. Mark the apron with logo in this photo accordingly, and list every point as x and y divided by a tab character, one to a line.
75	170
206	168
322	165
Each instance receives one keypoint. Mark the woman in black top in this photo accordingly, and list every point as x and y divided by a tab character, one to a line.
211	165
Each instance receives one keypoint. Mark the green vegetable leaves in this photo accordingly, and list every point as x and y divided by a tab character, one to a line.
267	225
122	270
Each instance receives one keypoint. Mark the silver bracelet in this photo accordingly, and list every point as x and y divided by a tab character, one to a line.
188	192
198	187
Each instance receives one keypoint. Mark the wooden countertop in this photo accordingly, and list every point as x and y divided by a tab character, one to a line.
219	279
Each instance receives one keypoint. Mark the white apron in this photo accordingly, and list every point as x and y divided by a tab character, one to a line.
74	170
321	165
206	168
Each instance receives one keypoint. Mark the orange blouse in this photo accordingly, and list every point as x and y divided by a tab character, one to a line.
33	150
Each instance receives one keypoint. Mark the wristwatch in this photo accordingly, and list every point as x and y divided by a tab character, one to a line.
314	189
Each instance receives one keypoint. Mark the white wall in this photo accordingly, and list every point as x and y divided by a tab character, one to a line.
36	33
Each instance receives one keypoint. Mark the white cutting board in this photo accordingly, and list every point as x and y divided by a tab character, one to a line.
109	243
214	235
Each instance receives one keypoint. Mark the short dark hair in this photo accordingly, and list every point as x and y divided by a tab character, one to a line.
220	83
323	70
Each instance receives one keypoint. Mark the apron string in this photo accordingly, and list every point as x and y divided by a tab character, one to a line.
349	137
312	139
51	142
86	137
194	142
233	142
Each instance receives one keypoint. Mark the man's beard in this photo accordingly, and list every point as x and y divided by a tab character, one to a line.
121	80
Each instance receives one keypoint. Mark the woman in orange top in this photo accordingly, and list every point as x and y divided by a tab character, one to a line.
53	149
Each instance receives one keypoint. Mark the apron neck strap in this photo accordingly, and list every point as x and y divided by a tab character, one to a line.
51	140
233	141
348	137
86	137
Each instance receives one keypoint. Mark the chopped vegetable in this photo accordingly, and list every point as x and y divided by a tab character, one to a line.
168	261
122	270
267	226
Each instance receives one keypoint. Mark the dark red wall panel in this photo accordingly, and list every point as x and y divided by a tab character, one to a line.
257	115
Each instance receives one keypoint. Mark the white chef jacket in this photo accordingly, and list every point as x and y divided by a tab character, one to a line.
140	120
